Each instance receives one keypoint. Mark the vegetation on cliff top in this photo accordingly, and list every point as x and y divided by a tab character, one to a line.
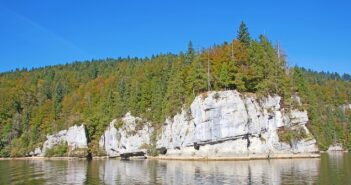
45	100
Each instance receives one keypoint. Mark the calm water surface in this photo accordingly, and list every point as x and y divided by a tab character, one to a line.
329	169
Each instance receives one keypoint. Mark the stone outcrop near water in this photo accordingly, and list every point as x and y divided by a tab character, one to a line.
345	107
223	124
75	138
217	125
230	124
132	138
336	148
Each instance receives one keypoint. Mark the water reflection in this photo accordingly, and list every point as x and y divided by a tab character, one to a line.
330	169
213	172
335	169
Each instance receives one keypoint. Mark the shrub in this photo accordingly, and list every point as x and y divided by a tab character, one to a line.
95	150
119	123
216	96
204	95
4	152
287	135
152	151
188	115
79	152
60	150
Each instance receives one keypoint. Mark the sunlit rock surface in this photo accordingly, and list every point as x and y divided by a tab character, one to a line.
75	137
133	136
230	124
336	148
345	107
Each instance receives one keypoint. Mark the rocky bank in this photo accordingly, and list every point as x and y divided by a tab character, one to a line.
217	125
131	138
229	124
75	138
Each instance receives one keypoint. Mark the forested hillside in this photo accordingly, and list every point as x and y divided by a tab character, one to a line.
36	102
324	96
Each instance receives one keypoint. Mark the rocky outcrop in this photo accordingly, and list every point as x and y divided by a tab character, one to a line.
109	142
345	107
132	137
336	148
221	124
230	124
37	152
75	138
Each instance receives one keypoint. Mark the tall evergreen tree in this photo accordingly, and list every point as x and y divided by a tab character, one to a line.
243	34
175	95
190	53
197	77
224	76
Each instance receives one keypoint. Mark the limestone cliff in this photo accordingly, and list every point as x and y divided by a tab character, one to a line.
220	124
345	107
75	137
133	136
230	124
337	147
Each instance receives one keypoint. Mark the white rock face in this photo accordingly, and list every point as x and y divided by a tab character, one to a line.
345	107
230	124
130	138
109	141
75	137
37	152
336	148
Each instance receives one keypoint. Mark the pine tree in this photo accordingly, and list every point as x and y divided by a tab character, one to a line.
175	95
59	95
242	66
243	34
197	77
190	53
224	78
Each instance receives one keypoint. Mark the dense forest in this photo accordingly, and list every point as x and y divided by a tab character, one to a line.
45	100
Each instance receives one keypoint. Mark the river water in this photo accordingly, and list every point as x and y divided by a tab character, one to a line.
329	169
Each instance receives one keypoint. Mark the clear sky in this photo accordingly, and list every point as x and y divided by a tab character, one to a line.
314	34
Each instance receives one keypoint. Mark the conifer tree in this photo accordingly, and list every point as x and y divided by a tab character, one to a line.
224	76
190	53
243	34
197	77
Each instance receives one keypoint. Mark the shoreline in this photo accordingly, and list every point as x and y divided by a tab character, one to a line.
180	158
236	158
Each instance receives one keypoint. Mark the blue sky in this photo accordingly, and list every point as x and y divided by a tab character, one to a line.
314	34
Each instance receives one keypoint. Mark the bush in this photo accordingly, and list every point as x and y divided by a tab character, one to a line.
216	96
18	148
95	150
287	135
150	149
60	150
79	152
119	123
4	152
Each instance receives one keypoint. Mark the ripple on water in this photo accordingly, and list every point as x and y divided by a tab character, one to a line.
327	170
